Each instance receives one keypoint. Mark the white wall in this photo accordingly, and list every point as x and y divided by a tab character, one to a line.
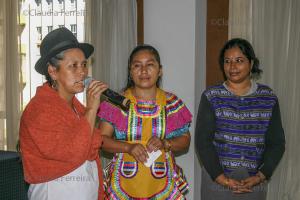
171	26
200	80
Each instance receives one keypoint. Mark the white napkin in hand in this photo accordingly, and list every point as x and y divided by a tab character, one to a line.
152	157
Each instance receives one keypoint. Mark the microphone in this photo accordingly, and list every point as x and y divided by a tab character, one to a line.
112	96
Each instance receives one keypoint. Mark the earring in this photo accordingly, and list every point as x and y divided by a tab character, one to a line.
54	84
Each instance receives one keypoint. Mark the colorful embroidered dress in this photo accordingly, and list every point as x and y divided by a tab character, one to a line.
167	117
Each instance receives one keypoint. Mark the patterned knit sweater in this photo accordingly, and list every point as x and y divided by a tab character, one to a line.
238	132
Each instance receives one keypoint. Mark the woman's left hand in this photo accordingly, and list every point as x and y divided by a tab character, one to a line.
154	144
247	184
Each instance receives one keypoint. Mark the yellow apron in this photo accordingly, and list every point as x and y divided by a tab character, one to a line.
135	179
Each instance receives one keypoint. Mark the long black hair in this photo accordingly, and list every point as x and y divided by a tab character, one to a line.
247	49
137	49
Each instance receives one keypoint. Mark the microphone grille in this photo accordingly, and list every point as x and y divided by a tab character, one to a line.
87	81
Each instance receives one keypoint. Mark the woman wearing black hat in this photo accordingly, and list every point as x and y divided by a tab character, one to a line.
59	143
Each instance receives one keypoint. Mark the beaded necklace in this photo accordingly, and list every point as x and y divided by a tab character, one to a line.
146	113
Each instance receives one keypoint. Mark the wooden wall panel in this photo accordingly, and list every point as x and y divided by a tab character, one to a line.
216	36
140	21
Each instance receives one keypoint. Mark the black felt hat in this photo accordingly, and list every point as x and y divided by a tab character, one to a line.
55	42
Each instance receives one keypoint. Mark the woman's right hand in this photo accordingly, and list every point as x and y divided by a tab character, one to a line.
228	182
138	151
93	93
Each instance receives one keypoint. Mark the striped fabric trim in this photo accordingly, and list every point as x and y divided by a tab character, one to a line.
161	124
171	192
174	104
146	109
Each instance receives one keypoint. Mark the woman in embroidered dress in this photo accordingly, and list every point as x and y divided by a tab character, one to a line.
156	120
239	137
59	143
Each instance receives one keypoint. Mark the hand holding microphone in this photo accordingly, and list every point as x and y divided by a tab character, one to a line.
93	93
112	96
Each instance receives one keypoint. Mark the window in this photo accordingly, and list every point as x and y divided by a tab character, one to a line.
38	2
39	32
49	2
60	26
73	4
61	4
74	29
39	21
50	28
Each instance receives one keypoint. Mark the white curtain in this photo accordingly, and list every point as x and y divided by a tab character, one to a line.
275	35
111	28
9	75
238	20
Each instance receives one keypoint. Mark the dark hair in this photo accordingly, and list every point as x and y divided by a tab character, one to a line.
247	49
137	49
54	61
